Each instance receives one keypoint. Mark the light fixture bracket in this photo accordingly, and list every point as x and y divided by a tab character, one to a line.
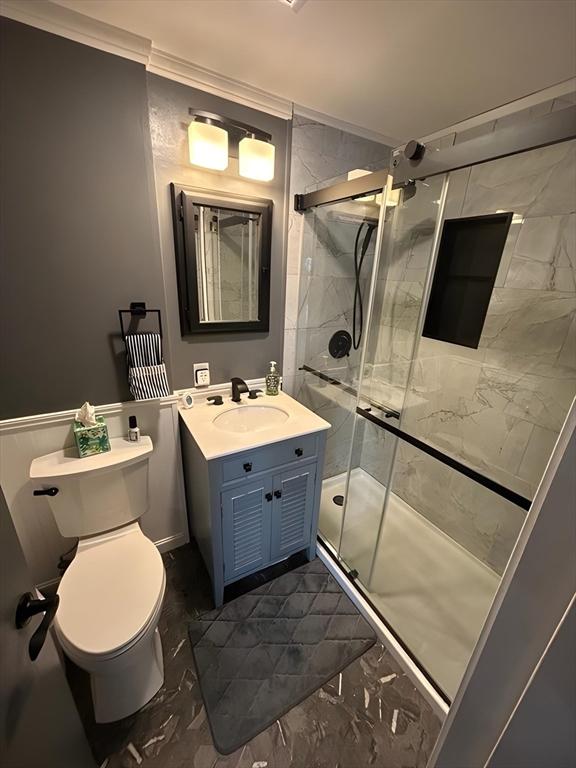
235	128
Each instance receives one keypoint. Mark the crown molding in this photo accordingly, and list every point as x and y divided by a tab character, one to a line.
78	27
343	125
72	25
170	66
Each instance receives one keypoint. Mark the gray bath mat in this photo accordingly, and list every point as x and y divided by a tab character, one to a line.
265	652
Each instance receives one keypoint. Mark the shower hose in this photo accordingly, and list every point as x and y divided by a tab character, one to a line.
358	310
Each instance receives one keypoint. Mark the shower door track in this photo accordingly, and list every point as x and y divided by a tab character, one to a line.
552	128
344	190
464	469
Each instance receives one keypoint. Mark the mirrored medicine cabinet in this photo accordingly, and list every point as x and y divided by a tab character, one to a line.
222	245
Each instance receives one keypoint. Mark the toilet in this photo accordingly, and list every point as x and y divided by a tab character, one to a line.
111	594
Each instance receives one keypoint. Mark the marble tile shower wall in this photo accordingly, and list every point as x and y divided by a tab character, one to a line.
319	285
320	279
499	407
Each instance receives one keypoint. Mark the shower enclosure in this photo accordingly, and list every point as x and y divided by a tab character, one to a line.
445	413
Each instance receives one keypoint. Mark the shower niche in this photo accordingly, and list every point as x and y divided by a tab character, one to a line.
468	261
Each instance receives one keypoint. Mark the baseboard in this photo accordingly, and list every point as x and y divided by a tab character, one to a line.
172	542
48	587
385	636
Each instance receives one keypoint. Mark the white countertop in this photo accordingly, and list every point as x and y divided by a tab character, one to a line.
215	442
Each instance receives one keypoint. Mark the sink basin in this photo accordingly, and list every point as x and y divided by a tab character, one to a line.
250	418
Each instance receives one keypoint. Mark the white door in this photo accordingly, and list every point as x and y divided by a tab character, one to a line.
39	724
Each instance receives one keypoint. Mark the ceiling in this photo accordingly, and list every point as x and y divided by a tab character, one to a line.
402	68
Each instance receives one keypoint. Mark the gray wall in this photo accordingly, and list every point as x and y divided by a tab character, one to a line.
542	730
242	354
79	231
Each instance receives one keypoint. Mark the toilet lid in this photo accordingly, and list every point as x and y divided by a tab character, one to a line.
110	592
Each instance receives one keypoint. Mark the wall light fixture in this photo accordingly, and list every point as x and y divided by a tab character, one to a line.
208	138
208	145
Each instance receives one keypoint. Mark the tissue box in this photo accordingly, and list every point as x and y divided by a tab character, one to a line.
91	440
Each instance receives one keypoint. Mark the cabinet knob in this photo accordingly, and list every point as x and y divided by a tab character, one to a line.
268	497
278	494
248	466
298	451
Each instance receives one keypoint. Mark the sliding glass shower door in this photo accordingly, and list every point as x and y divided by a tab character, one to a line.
400	283
433	511
447	391
336	280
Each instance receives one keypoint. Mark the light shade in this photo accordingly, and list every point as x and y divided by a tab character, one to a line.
208	145
256	159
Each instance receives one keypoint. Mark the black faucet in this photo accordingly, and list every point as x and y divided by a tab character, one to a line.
238	386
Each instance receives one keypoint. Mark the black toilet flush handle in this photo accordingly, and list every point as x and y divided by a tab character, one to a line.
45	492
28	607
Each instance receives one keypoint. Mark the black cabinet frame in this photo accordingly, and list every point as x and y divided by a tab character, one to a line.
183	201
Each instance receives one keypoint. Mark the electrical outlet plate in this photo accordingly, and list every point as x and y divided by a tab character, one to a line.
201	374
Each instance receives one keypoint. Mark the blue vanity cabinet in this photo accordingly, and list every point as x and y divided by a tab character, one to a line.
246	528
267	520
251	509
292	510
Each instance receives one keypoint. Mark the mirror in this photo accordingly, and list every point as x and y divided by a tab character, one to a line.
223	261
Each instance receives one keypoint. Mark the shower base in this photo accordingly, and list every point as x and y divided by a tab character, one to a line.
432	592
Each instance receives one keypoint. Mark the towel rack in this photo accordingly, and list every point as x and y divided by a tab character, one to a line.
138	309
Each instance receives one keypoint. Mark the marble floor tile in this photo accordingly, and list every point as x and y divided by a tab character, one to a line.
369	715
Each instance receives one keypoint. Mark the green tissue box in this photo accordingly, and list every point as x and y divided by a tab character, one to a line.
91	440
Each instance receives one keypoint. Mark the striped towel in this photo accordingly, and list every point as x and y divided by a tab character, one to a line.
146	369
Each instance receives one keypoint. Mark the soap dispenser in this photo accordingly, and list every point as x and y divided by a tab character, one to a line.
272	380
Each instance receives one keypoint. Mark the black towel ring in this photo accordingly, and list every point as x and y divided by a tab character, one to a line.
138	310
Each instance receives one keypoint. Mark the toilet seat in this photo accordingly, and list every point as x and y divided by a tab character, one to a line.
110	594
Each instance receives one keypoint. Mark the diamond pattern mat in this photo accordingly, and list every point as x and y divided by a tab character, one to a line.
265	652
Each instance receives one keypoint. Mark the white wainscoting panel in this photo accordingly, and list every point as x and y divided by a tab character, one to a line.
22	440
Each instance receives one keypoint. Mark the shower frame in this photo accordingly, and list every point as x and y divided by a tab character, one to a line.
553	128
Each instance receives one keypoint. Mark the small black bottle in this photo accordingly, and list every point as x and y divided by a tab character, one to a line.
133	430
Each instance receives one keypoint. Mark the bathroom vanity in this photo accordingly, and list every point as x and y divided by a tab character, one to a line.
253	473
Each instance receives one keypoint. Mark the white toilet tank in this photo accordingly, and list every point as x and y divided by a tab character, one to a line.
95	493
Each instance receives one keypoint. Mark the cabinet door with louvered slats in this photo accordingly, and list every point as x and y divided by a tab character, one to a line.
246	515
292	512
